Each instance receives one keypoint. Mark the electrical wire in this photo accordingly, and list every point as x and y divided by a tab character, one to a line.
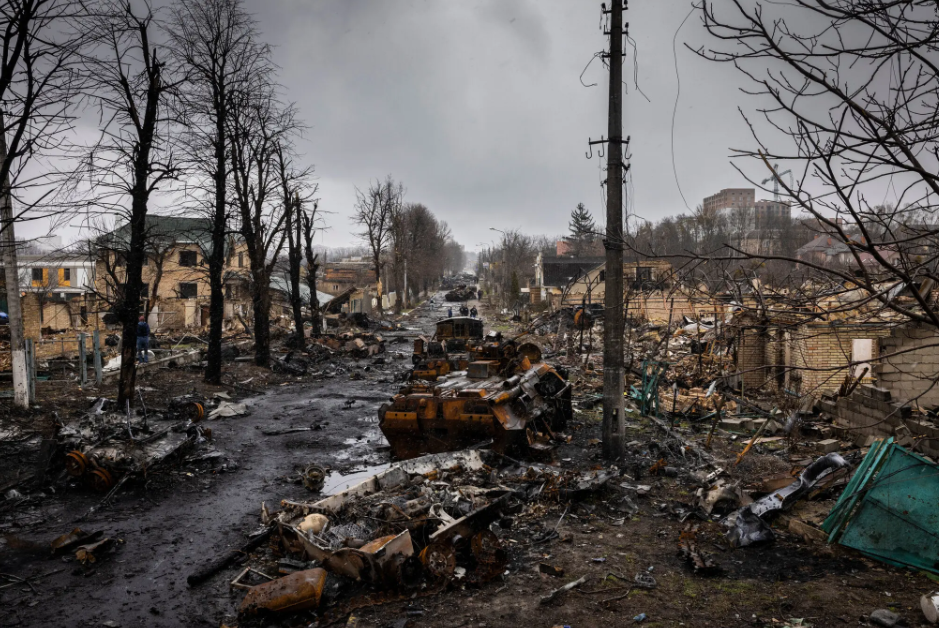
636	67
595	55
675	109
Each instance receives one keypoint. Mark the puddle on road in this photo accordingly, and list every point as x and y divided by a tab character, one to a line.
337	482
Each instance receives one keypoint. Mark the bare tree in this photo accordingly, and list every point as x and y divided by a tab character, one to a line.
258	130
291	182
854	90
309	224
40	45
374	211
129	82
110	248
216	41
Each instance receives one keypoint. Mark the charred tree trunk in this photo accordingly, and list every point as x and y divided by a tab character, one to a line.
213	367
376	261
128	309
261	300
294	261
315	317
158	261
396	277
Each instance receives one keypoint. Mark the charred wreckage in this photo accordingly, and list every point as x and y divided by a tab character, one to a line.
467	388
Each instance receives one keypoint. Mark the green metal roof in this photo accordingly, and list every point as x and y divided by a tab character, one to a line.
165	230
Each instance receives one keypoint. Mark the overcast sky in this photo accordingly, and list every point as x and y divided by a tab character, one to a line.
476	106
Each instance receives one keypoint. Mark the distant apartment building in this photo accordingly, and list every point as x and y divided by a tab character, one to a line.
731	198
764	211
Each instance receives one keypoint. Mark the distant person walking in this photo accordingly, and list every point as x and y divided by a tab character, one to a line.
473	311
143	340
449	312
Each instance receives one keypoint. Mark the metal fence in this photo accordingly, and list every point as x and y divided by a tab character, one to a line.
60	359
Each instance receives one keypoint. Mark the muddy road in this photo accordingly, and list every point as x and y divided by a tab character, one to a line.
190	514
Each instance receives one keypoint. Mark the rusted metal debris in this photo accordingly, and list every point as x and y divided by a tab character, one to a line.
73	539
298	591
701	563
506	393
414	527
105	446
91	552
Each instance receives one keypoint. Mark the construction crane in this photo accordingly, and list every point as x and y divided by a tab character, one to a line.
775	181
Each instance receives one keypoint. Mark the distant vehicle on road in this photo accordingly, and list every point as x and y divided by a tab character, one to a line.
4	318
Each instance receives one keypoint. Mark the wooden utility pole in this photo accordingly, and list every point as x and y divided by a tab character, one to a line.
613	370
11	272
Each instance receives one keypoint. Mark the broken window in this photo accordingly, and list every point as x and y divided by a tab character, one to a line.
37	275
188	258
144	290
188	290
643	274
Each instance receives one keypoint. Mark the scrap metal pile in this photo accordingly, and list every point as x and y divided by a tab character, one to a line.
105	447
462	292
466	389
319	349
407	531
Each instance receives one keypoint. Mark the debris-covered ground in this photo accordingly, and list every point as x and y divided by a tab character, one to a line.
261	491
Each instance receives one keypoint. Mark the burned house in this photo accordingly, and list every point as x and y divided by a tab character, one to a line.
175	273
341	276
901	398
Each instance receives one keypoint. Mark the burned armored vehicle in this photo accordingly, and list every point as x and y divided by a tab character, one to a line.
505	393
448	350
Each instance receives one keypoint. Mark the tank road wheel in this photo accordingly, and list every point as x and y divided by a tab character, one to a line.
439	560
194	411
101	480
489	554
76	463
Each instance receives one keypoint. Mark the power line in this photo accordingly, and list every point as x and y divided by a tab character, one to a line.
675	109
636	67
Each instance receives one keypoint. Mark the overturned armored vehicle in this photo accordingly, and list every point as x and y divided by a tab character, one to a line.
506	393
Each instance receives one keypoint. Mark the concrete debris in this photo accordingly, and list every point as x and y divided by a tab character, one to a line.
929	604
885	618
228	409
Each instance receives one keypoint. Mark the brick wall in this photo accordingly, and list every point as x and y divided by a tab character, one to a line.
769	356
32	323
824	351
872	413
910	365
751	356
